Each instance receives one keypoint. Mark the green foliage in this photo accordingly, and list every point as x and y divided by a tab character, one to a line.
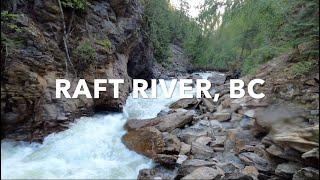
85	52
106	43
75	4
248	33
301	68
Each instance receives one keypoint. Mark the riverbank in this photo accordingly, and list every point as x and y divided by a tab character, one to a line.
272	138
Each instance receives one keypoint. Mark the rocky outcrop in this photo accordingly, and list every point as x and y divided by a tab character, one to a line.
102	41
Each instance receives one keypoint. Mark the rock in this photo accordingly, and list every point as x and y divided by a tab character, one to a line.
190	165
174	120
205	173
181	159
250	171
208	103
172	143
217	79
201	151
164	123
302	140
147	141
252	159
288	154
286	170
166	160
157	172
237	139
307	173
314	153
184	103
185	148
247	123
221	116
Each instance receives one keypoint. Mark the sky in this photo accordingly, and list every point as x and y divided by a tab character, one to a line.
194	11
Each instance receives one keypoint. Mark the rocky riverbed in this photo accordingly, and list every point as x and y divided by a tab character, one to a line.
272	138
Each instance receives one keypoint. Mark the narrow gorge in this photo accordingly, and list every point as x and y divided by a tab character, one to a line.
44	137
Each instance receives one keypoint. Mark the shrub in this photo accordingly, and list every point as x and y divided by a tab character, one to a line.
106	43
301	68
75	4
85	54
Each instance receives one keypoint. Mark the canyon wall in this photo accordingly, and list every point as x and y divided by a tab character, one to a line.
104	40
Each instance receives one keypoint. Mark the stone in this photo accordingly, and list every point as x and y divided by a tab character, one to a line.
146	141
307	173
201	151
250	171
158	172
164	123
288	154
181	159
166	160
221	116
172	143
184	103
205	173
302	140
286	170
314	153
208	103
190	165
237	139
252	159
185	148
217	79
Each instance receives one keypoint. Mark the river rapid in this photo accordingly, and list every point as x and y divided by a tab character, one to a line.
90	149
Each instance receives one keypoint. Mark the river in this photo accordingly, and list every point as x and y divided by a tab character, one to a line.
90	149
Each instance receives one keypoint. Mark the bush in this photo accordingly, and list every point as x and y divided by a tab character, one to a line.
75	4
85	54
106	43
301	68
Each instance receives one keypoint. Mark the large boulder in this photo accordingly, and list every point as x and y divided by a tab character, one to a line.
184	103
218	78
146	141
164	123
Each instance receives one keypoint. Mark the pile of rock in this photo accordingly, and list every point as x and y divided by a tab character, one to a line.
231	139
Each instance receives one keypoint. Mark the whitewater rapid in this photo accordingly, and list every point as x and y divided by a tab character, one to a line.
90	149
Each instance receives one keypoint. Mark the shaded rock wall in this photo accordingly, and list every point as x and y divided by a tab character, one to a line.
29	109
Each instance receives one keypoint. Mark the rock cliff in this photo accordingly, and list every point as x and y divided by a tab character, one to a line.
52	41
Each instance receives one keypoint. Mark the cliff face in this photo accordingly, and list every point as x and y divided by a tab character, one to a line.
103	41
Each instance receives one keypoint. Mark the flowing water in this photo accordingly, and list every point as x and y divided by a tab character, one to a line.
90	148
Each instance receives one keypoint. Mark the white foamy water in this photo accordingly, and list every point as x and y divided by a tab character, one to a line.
90	149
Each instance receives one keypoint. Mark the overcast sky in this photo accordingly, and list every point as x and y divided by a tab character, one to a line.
194	11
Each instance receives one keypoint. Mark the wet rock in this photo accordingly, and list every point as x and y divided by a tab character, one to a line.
205	173
286	170
252	159
184	103
307	173
147	141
